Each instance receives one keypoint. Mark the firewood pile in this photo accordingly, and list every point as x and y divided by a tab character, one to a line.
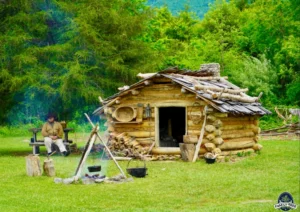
126	146
123	145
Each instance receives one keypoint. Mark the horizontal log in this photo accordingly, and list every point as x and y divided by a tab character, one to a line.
171	151
202	78
238	118
233	132
226	90
163	102
247	99
144	123
251	138
239	135
141	134
204	140
225	123
238	127
235	152
220	115
161	80
134	129
236	145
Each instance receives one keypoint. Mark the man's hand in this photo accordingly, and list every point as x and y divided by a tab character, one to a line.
53	137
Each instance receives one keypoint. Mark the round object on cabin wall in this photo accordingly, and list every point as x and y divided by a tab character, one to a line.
124	114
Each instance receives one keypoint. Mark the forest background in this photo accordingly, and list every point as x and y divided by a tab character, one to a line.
61	55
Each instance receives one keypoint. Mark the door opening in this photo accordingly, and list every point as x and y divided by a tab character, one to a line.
171	126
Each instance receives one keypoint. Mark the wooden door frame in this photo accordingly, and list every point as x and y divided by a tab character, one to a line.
156	121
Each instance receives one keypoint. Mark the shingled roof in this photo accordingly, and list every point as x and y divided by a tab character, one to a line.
208	85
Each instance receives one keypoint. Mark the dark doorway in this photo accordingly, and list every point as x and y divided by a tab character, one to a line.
171	126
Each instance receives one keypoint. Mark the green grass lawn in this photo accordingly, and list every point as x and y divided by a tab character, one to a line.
252	184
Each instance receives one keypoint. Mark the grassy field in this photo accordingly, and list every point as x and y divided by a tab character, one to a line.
252	184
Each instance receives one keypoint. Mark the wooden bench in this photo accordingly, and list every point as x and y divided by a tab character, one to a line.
35	143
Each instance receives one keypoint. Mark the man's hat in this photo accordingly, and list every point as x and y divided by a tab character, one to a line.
51	115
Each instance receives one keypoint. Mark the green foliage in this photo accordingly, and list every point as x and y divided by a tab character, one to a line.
61	55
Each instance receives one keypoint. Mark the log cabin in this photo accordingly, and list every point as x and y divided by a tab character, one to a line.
166	109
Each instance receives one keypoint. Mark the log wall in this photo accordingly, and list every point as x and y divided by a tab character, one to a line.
223	132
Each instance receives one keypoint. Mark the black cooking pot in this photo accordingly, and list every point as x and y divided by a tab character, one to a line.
137	172
94	168
210	160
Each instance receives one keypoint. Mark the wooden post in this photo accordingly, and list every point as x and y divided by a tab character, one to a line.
187	151
86	152
49	168
33	166
201	137
139	114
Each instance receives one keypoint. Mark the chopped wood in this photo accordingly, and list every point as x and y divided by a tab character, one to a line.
187	151
48	168
33	166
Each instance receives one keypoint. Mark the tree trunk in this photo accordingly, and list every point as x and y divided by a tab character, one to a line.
49	168
187	151
33	166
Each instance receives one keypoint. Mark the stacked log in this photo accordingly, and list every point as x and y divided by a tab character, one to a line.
127	146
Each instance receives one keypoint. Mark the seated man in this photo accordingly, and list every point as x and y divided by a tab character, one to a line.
53	133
